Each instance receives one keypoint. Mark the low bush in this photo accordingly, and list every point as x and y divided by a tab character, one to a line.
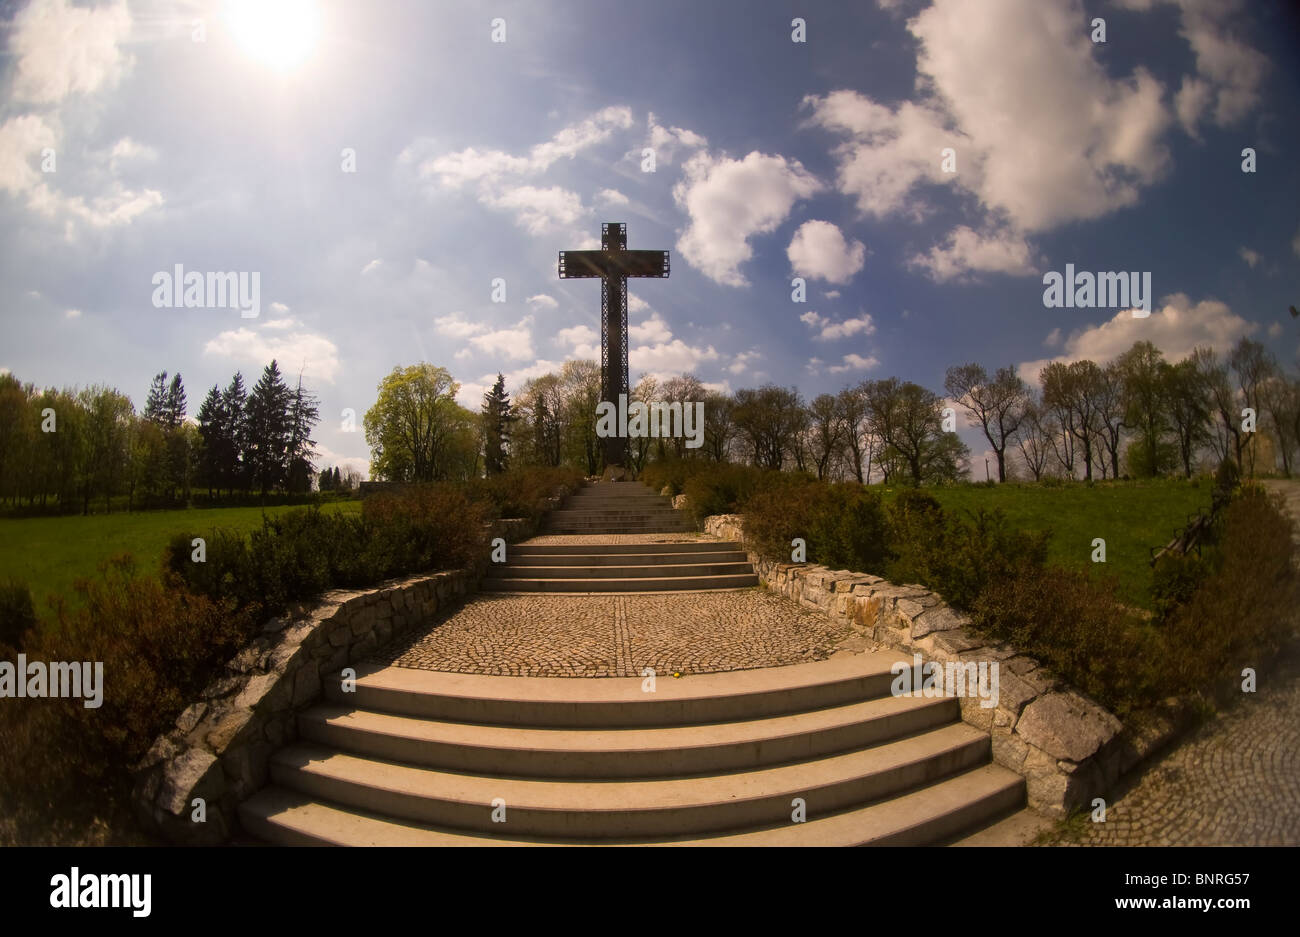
161	641
1245	605
727	489
1072	624
672	473
1232	607
299	554
17	615
159	645
844	526
522	492
957	555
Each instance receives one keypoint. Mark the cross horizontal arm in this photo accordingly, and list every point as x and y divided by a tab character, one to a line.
579	264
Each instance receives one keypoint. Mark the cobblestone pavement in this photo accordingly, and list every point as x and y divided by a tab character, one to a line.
1233	782
618	635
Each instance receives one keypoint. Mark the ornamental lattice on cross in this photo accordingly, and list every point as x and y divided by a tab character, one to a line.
613	264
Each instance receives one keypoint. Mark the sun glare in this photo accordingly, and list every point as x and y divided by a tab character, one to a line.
278	33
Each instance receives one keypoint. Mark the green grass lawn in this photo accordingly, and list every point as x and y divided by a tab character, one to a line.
51	553
1130	516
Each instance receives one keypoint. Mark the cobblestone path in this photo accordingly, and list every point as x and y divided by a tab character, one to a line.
1235	781
618	635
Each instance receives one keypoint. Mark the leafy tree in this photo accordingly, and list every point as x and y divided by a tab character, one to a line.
1074	389
997	406
826	418
1143	391
769	420
719	426
416	430
108	423
908	419
1183	389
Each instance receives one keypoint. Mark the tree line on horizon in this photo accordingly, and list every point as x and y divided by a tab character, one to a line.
73	448
1138	416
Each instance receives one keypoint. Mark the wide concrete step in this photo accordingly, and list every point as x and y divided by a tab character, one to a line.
631	522
629	498
594	549
617	510
615	808
666	524
656	583
927	815
693	570
639	752
577	558
562	702
641	527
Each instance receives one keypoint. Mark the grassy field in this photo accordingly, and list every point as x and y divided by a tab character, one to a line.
51	553
1130	516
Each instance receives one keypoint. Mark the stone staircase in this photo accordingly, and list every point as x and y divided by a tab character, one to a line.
621	567
615	508
417	757
650	566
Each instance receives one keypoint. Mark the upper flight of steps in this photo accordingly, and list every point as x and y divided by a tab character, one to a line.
615	508
417	757
619	508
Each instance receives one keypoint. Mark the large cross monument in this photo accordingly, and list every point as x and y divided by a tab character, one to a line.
613	264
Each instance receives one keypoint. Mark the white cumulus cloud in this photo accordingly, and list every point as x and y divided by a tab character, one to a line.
730	201
818	250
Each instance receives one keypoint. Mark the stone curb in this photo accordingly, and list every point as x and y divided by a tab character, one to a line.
1068	748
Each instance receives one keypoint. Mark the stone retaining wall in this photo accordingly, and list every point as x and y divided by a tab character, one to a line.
1068	748
220	748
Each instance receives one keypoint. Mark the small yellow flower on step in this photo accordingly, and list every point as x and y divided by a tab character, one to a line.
676	674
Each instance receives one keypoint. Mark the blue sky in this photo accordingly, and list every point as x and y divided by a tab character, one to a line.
477	160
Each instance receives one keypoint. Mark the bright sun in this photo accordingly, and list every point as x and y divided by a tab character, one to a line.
278	33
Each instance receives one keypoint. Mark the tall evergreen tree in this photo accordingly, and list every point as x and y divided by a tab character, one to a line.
302	416
498	415
268	430
234	436
175	407
212	427
155	405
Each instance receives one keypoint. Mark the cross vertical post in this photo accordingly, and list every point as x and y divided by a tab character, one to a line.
613	264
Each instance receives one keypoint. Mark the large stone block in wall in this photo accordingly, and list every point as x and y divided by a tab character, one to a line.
1067	726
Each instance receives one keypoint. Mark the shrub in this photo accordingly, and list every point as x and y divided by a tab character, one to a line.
159	645
727	489
844	525
1071	623
523	491
1244	608
1174	580
17	615
958	555
673	473
299	554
